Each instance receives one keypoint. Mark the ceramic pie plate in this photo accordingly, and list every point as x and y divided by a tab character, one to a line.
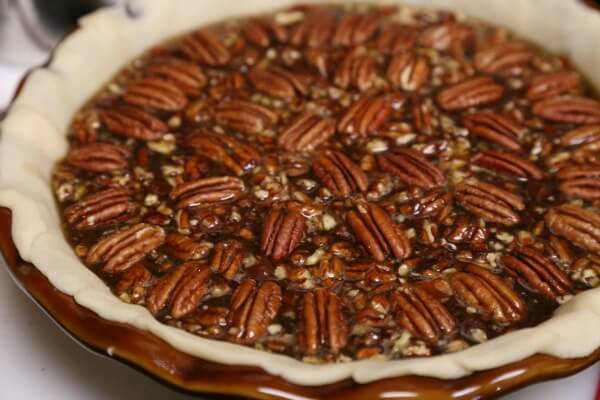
31	235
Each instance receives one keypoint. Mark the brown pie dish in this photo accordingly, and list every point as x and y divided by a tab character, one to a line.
323	200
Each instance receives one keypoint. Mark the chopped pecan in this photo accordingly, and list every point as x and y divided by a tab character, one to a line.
568	109
339	174
463	231
245	116
101	209
581	181
227	258
421	314
134	123
488	294
412	167
262	31
155	93
497	128
578	225
582	135
408	71
183	248
490	202
503	57
323	323
306	132
395	38
315	30
99	157
236	156
508	164
184	287
430	205
355	70
185	75
124	248
282	233
253	310
279	82
355	29
377	232
366	115
537	273
207	192
423	115
550	85
473	92
446	36
204	46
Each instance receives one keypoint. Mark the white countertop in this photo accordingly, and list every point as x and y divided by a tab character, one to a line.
39	361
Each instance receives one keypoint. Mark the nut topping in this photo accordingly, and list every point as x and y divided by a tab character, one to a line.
490	202
581	181
282	232
356	70
185	75
470	93
578	225
323	322
508	164
245	116
504	57
568	109
99	157
550	85
306	132
233	154
133	123
408	71
262	31
125	248
413	168
278	82
101	209
377	232
204	46
496	128
340	174
227	258
355	29
155	93
208	192
366	116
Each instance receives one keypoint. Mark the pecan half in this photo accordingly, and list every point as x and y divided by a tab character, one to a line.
279	82
134	123
435	204
408	71
323	323
235	155
377	232
183	248
355	70
263	31
99	157
207	192
133	281
473	92
421	314
446	36
537	273
366	115
339	174
490	202
582	135
315	30
488	294
245	116
578	225
227	258
101	209
355	29
497	128
155	93
204	46
306	132
508	164
503	57
395	38
253	309
282	233
126	247
412	167
550	85
581	181
183	287
568	109
185	75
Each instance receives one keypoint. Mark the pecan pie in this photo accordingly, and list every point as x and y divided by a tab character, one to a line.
340	182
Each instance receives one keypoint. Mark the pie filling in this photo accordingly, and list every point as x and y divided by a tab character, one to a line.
340	182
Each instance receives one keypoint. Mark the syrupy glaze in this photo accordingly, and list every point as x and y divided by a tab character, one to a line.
340	182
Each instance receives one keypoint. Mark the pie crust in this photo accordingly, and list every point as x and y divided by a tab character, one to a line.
33	139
